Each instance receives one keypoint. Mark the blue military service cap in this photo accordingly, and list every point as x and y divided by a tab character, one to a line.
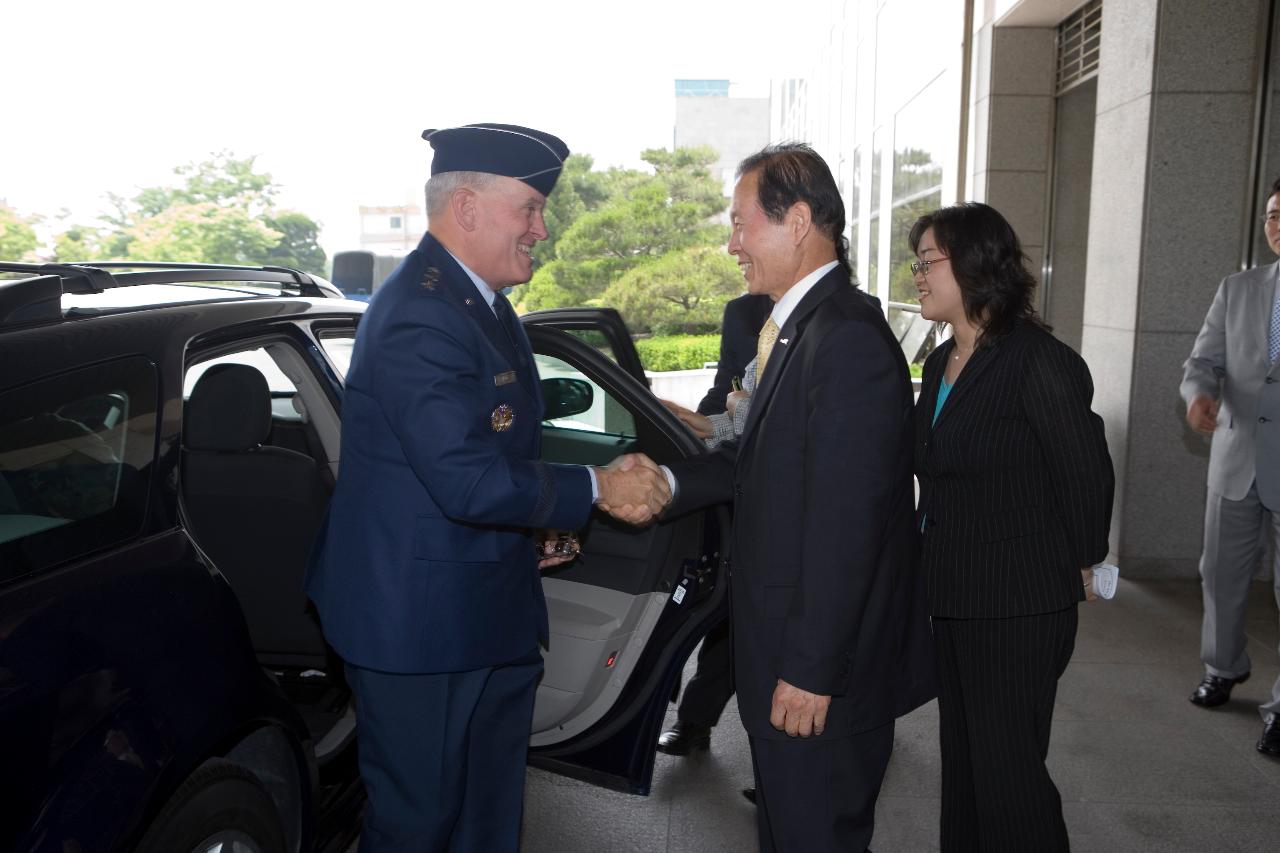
500	149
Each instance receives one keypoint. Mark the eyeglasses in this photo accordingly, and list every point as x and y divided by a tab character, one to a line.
922	267
1272	217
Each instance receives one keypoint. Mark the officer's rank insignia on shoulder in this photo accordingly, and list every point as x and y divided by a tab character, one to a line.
502	418
430	277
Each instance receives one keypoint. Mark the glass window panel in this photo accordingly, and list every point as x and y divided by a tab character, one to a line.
606	414
75	460
923	133
339	345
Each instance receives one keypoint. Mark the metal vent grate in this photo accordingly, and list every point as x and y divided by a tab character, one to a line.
1079	45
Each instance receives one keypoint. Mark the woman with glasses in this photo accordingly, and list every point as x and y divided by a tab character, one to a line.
1015	505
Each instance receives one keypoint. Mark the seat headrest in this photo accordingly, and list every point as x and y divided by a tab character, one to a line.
229	409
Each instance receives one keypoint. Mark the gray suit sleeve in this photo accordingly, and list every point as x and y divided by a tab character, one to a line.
1203	372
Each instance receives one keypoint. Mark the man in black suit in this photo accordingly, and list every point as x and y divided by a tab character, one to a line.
709	690
831	642
739	331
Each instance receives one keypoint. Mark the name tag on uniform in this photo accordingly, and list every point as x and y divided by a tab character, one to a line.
504	378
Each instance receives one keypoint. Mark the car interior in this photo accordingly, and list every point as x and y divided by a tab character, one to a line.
255	483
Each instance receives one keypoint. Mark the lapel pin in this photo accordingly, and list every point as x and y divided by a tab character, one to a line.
784	340
502	418
469	301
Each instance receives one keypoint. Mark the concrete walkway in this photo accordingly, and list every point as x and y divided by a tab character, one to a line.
1139	767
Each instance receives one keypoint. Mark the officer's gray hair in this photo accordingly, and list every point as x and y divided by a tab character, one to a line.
441	187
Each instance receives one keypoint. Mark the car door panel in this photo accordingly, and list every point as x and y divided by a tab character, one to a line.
578	448
626	615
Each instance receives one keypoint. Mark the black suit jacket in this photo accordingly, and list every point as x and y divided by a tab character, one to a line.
1015	479
739	331
824	570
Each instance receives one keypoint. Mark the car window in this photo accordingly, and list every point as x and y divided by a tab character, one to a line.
338	344
266	365
596	339
606	414
75	454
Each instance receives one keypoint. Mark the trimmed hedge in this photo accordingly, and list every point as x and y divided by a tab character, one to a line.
690	352
678	352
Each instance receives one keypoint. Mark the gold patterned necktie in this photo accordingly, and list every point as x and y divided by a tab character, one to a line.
768	337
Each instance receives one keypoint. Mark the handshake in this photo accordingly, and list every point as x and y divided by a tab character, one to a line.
633	489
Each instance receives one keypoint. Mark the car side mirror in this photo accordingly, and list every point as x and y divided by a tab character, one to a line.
563	398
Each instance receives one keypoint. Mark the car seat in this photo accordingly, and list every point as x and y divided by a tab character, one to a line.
255	510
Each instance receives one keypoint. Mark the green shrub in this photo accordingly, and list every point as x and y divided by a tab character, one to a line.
678	352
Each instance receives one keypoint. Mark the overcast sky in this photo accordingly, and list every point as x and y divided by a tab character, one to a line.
332	96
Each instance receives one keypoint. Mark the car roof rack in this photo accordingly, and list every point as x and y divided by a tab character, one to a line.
37	299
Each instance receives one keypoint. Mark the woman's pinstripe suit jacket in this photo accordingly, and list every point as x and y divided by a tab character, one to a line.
1015	479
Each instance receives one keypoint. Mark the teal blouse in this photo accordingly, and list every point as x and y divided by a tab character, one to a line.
944	388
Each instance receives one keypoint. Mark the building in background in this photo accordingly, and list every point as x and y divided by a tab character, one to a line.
1130	143
394	230
732	118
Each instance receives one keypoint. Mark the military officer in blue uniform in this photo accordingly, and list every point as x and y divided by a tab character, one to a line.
425	575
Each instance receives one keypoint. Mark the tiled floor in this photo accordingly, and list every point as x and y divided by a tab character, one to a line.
1139	767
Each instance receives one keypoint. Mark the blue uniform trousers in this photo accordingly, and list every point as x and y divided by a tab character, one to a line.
443	756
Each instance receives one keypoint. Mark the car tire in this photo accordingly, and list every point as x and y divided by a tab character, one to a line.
222	806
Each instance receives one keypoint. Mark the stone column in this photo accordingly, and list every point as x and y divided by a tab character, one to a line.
1172	149
1020	132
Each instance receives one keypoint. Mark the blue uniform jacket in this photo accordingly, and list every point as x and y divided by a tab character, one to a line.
425	561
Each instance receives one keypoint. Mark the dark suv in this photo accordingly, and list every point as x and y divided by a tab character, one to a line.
169	437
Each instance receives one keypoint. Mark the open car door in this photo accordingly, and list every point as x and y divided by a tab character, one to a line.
627	613
602	328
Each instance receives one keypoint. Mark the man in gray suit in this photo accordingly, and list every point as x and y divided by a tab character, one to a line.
1232	387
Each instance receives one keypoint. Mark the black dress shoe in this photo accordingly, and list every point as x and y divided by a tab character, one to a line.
1269	743
750	794
683	738
1215	690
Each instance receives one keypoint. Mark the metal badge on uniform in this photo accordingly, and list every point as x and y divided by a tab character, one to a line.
502	418
505	378
430	277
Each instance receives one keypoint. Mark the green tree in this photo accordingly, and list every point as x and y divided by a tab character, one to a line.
682	292
222	179
645	217
17	236
687	173
80	243
201	233
299	245
578	191
222	212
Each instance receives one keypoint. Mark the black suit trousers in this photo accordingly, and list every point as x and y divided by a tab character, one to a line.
997	681
709	690
818	795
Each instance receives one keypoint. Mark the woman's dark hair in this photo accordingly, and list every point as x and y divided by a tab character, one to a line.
790	172
987	262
